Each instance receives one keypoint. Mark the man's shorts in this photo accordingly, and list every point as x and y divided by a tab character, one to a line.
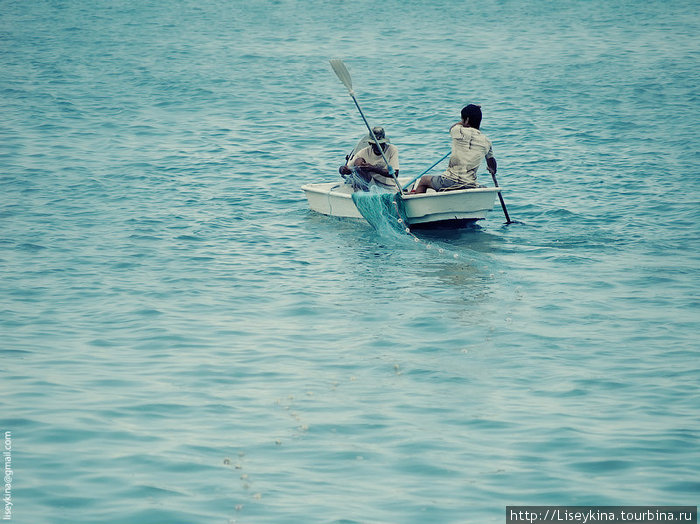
439	182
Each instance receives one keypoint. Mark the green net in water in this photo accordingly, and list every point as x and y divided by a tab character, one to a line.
384	210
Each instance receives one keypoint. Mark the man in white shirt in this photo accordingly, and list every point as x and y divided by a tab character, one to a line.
369	167
469	146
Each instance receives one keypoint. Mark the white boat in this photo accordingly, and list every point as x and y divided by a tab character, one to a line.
454	208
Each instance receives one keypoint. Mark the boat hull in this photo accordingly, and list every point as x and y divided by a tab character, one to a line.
456	208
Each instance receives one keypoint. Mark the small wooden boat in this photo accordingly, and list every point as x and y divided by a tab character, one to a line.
455	208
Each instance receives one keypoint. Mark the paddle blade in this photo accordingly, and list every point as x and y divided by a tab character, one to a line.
342	72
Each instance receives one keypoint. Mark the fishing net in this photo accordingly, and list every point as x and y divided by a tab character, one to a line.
384	210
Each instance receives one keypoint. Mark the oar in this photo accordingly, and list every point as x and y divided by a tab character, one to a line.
500	197
424	172
343	74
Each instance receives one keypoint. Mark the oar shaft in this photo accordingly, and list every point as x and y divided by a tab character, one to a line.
424	172
390	169
344	76
500	197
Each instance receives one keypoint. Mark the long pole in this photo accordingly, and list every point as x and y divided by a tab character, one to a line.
424	172
500	197
344	75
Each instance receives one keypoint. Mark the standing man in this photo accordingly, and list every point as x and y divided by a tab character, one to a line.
469	146
368	165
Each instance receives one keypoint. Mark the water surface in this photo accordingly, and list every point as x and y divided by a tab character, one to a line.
183	341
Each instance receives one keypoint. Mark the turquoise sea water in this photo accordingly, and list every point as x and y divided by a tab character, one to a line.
183	341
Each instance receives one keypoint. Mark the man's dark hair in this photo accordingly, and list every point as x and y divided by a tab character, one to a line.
473	113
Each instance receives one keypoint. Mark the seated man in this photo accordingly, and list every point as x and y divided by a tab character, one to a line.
367	164
469	147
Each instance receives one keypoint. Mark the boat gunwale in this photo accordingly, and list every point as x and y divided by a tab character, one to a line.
407	196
